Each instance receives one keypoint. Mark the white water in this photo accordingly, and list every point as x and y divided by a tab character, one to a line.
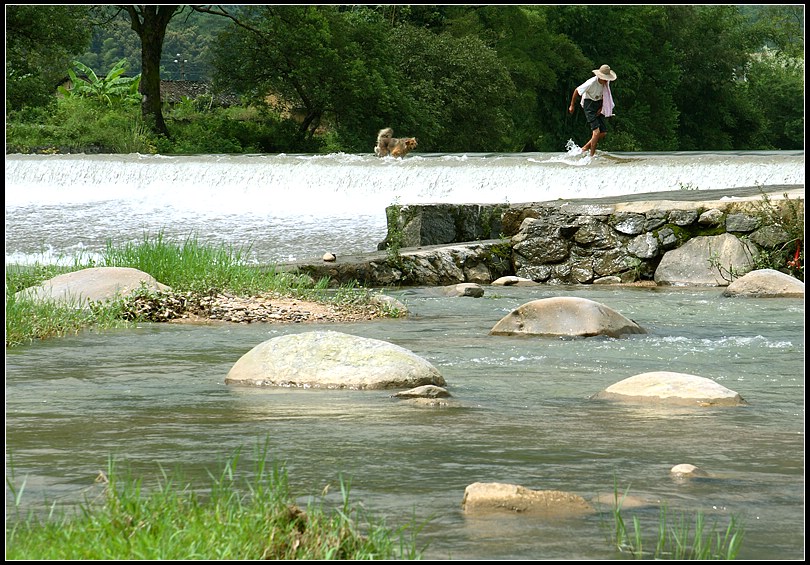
288	207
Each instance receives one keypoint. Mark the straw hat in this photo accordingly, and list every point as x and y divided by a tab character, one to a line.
605	73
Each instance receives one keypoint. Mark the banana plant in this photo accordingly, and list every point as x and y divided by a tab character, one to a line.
111	89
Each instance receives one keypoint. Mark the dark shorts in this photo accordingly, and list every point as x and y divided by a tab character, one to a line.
595	119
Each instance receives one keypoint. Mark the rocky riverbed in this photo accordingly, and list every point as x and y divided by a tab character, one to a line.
189	307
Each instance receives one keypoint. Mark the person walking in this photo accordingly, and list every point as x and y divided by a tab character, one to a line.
597	102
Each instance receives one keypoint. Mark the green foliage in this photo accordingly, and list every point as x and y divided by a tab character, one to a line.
236	129
326	78
317	65
28	319
713	45
774	82
87	125
19	277
781	26
447	81
79	124
786	215
112	89
189	265
40	42
192	270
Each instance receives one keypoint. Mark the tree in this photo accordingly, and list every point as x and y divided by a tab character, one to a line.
150	23
773	83
41	41
782	27
317	64
714	45
541	63
347	67
456	92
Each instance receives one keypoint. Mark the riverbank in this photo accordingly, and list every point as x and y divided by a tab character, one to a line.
161	281
274	308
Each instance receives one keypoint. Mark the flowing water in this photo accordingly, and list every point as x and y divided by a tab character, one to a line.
290	207
154	395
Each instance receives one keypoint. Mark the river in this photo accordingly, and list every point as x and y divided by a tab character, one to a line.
154	396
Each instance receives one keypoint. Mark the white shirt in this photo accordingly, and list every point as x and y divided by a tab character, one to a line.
591	89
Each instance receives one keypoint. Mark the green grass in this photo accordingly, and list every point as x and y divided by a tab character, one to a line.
232	518
193	266
28	319
687	538
188	266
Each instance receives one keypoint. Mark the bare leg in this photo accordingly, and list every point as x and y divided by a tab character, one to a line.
596	137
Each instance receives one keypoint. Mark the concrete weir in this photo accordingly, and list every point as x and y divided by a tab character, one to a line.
619	239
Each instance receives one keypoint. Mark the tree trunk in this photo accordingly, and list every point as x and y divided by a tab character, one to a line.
150	23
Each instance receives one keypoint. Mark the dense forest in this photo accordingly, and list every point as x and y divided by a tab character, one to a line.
326	78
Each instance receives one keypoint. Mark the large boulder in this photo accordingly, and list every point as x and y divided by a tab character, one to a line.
565	316
706	261
766	283
332	360
93	284
665	387
482	498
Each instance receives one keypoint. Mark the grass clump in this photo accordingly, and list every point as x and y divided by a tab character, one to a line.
689	537
231	519
194	266
192	269
28	318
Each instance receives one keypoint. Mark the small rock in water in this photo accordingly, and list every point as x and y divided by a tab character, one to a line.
329	257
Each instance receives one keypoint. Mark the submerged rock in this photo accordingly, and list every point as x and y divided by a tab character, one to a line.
565	316
665	387
687	470
503	497
425	391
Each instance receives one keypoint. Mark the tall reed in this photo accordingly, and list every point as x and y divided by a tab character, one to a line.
680	540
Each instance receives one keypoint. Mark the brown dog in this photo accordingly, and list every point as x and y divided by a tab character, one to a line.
387	144
403	146
383	138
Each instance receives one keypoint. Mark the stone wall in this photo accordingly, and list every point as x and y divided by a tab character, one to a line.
439	224
608	240
574	243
